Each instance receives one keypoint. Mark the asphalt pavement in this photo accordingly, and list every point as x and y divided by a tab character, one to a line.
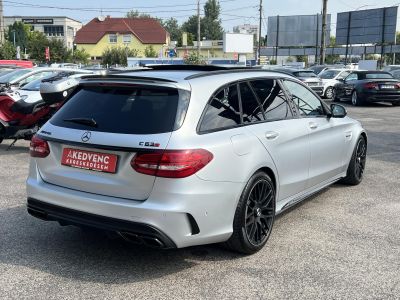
343	243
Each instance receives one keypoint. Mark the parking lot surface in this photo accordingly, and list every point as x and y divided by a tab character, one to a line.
342	243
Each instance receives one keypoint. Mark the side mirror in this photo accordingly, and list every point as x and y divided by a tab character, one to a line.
338	111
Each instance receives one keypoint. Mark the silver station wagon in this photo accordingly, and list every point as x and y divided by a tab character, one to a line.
176	156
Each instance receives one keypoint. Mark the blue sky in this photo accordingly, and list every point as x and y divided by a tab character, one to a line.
233	12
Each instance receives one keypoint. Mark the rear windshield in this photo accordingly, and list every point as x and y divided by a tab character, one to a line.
127	110
378	76
329	74
304	74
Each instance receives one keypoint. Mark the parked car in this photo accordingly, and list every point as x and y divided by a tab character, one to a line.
391	68
187	155
330	77
318	69
21	77
368	86
395	74
306	76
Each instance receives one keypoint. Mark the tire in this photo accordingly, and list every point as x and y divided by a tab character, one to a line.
396	103
329	93
355	171
334	96
1	140
355	100
254	216
1	133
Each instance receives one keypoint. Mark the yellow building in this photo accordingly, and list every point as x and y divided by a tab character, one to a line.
135	33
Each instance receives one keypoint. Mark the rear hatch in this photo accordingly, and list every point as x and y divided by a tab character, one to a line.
98	131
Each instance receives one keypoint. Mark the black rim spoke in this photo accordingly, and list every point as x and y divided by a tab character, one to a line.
361	153
260	212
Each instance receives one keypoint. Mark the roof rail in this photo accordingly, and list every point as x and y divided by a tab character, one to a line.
194	67
234	70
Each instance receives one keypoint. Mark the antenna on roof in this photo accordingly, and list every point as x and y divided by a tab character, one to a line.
101	18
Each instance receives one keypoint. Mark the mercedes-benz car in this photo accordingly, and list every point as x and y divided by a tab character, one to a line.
177	156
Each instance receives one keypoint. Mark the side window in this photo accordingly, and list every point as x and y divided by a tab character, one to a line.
222	111
343	75
352	76
251	107
272	99
307	103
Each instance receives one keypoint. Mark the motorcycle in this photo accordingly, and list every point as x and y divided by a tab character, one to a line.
20	119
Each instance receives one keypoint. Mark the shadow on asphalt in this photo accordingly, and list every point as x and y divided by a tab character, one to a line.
16	149
69	252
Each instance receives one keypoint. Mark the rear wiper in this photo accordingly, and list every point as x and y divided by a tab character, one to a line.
84	121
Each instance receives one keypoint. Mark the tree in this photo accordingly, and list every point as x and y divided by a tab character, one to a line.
211	22
58	51
7	51
136	14
37	43
331	59
171	25
80	56
150	52
118	56
21	32
194	59
190	26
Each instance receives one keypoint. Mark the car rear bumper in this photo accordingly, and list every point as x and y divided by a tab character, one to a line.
375	97
189	211
140	233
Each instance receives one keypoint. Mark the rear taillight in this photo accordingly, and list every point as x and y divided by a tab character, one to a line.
397	85
38	147
171	163
371	86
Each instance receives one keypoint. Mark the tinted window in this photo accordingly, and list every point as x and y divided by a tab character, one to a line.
304	74
250	106
307	103
329	74
272	98
343	75
378	76
222	111
145	110
352	76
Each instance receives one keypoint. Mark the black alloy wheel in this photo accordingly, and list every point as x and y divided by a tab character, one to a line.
361	158
260	212
355	171
254	216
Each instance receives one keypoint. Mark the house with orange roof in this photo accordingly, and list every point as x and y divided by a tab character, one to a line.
135	33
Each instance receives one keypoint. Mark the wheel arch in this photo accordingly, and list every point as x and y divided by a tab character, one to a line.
270	173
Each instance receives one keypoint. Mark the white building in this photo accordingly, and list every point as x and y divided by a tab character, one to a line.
247	28
62	28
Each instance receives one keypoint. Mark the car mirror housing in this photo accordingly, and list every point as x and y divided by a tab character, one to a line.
338	111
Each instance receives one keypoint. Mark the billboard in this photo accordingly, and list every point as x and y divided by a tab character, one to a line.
371	26
238	43
300	31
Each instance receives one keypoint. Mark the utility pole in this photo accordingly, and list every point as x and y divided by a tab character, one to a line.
323	33
259	35
1	23
198	28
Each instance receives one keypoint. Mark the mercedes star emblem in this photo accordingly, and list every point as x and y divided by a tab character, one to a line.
86	136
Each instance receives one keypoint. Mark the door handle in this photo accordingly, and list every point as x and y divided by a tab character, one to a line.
313	125
271	135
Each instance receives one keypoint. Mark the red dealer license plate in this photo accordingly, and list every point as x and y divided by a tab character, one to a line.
101	162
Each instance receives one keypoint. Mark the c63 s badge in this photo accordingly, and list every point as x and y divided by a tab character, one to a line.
149	144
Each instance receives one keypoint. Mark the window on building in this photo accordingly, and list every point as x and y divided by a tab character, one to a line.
52	30
127	38
112	38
